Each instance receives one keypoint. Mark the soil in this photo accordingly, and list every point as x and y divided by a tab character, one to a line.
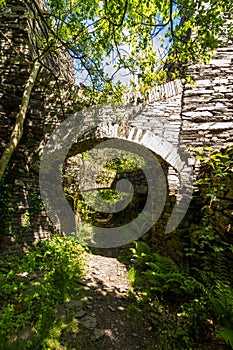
104	313
108	320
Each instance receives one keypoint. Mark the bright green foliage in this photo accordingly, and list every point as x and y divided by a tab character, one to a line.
161	274
210	245
219	164
215	181
183	301
44	278
123	161
127	163
124	164
93	30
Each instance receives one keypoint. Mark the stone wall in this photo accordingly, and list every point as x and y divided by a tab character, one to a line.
207	103
26	222
216	189
173	115
207	121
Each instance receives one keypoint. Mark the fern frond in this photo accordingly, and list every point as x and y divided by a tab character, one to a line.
226	334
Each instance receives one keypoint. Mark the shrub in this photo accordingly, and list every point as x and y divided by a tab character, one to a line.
33	282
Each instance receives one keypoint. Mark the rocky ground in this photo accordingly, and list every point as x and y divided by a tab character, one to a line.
104	314
108	319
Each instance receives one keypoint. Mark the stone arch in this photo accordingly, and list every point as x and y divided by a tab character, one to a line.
168	152
180	164
144	138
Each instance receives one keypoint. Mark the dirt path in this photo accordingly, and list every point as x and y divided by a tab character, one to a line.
110	319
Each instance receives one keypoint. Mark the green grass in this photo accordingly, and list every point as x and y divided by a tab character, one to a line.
33	283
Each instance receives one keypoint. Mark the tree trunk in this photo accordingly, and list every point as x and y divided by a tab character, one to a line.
20	118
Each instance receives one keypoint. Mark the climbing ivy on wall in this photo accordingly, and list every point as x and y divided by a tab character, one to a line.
215	181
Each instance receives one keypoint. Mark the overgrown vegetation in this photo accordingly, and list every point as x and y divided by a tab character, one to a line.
115	159
94	35
123	164
191	305
215	182
190	308
33	283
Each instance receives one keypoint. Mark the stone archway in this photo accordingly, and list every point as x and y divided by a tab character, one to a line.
180	165
162	148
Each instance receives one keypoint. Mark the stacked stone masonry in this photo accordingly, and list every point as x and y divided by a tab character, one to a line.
44	113
173	116
207	104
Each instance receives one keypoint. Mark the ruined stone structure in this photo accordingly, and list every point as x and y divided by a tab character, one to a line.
176	115
50	101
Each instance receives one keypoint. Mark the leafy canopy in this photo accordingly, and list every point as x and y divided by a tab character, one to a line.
126	30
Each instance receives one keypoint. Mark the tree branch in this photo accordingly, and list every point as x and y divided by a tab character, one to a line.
18	127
